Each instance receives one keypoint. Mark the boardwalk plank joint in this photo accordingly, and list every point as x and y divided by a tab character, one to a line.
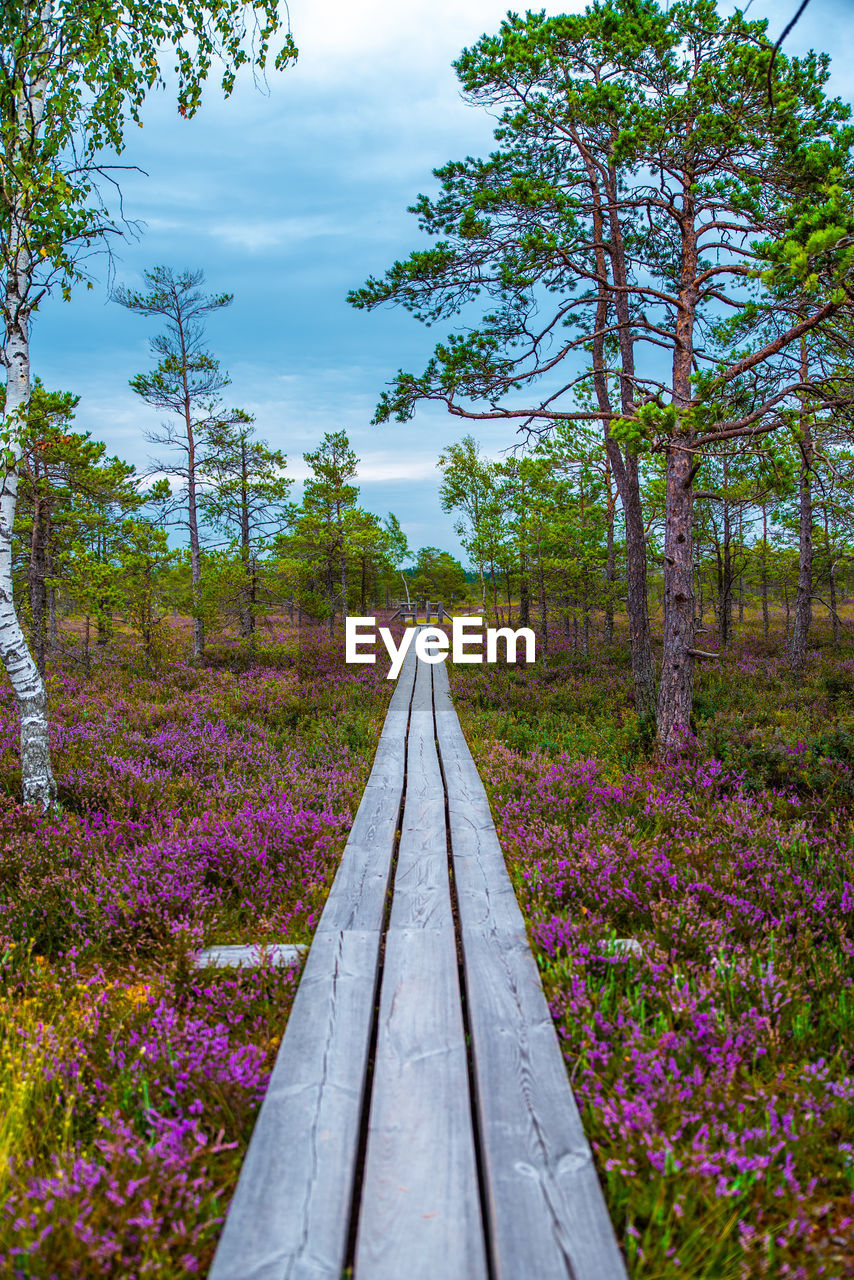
387	1144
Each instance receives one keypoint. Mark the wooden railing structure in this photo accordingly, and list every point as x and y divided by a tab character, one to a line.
419	1124
407	611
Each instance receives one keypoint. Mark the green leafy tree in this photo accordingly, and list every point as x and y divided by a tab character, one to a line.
469	487
71	495
246	501
143	556
642	182
321	526
73	73
398	554
438	576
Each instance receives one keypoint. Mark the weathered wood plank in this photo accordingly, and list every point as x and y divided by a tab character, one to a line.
480	872
290	1213
282	954
421	892
420	1217
358	895
547	1216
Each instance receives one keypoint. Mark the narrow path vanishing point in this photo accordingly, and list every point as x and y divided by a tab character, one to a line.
419	1124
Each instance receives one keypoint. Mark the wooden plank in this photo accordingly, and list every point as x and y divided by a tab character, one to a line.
290	1213
480	872
420	1212
546	1212
282	954
358	895
291	1210
421	892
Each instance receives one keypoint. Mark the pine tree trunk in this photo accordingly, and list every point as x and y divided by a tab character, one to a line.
544	613
831	580
741	575
764	572
676	692
343	571
192	509
524	593
676	687
195	571
247	612
610	569
803	599
624	465
726	579
637	601
53	620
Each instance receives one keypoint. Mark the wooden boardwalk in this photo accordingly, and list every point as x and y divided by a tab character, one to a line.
419	1124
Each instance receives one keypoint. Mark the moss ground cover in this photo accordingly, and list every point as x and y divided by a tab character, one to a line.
694	925
199	805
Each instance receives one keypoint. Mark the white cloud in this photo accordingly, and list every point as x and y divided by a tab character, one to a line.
342	42
381	467
256	235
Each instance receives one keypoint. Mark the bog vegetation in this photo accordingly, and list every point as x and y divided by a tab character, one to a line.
649	279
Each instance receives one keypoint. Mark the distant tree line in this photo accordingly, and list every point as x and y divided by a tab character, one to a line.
545	533
92	537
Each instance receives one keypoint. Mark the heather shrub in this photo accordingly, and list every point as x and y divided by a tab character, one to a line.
200	804
694	925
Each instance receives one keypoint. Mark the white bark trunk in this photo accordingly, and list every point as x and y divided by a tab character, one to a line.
37	779
36	773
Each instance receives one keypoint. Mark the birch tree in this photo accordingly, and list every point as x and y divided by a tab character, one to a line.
73	74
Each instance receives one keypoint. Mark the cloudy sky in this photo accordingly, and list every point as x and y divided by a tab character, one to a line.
289	199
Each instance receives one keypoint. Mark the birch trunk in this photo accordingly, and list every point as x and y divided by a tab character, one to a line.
37	780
